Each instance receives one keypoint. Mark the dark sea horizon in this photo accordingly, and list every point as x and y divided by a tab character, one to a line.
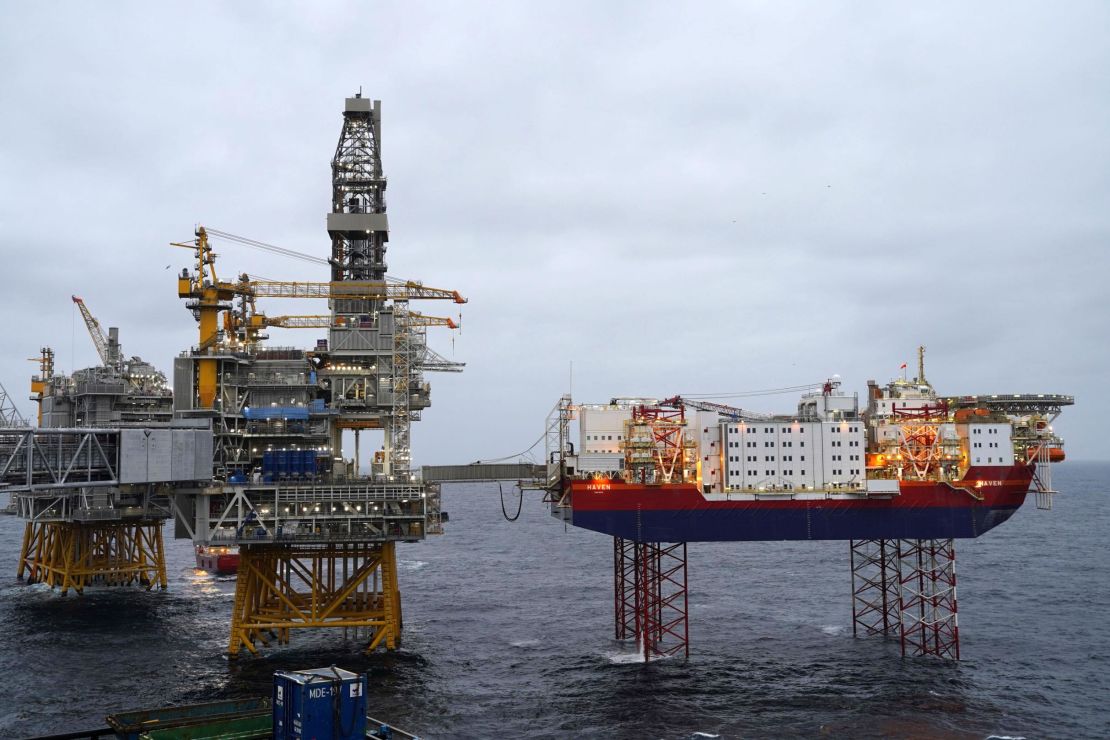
508	631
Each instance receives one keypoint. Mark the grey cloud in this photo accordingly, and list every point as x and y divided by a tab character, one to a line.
715	197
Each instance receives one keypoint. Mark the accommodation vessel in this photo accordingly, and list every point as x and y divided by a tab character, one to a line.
908	465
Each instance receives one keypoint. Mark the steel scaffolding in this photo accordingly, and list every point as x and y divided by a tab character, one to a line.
76	554
927	574
286	587
875	586
650	597
908	585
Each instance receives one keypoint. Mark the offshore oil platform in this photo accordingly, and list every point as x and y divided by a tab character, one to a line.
246	452
900	480
244	449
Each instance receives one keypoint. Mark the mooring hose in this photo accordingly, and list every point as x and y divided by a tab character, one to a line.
519	503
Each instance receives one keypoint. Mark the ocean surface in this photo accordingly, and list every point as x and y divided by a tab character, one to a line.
508	627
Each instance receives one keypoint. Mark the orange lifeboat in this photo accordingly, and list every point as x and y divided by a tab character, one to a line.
964	415
1055	454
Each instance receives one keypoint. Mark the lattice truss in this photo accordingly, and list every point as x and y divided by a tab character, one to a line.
358	186
656	449
9	414
919	450
650	597
400	422
282	588
908	586
73	555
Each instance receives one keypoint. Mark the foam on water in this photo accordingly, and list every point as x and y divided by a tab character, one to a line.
624	658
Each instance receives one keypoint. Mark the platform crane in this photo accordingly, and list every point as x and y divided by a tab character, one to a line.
209	296
324	321
729	412
110	354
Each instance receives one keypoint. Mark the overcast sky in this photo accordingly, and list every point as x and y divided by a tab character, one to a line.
718	199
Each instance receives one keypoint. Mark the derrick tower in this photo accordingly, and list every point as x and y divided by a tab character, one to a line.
359	230
316	529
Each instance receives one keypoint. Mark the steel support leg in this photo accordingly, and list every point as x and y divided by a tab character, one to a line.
72	555
663	621
875	587
284	587
908	586
626	591
927	577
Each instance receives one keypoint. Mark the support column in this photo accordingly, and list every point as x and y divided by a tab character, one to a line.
875	587
626	591
358	461
927	574
284	587
908	586
28	542
76	554
650	598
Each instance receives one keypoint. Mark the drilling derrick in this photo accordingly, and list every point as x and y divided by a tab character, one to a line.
316	529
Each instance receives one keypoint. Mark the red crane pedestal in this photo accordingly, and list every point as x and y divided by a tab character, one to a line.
650	598
908	585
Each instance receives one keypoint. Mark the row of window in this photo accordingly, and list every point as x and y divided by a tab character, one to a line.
790	486
785	430
753	473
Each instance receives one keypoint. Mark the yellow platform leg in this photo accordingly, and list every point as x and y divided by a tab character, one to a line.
285	587
71	555
29	541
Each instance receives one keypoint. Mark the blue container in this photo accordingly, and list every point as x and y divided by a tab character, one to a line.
319	704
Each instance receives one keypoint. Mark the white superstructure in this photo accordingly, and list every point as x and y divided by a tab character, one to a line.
828	445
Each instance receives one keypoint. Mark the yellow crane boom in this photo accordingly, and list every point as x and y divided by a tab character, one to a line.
361	290
325	321
208	296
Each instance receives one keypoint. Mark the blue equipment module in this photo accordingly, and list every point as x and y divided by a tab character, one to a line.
319	704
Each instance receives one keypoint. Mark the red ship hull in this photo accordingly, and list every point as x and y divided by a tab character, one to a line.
983	499
218	561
